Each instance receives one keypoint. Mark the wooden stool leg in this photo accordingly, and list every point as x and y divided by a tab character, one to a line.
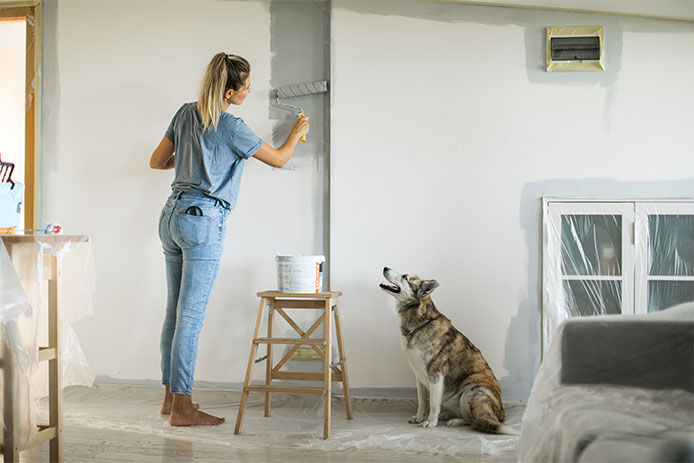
247	381
268	361
343	358
327	372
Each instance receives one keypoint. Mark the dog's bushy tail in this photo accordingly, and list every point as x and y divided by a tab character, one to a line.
484	418
491	425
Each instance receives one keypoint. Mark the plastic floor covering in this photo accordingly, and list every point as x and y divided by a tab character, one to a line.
99	420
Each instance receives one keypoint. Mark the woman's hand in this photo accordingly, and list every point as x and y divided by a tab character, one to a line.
301	127
279	157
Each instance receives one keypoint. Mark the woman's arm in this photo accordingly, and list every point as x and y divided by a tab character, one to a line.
279	157
163	156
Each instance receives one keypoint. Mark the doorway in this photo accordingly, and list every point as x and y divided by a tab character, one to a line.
19	96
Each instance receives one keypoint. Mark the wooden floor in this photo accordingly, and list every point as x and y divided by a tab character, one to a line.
122	424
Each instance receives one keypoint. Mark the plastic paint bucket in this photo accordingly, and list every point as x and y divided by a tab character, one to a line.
299	274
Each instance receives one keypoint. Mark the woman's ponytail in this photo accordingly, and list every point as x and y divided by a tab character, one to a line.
223	73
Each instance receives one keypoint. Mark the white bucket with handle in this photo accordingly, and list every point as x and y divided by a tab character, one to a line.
299	274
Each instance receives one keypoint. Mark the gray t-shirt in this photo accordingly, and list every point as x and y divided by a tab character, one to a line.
210	162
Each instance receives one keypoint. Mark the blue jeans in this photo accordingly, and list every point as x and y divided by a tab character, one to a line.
192	229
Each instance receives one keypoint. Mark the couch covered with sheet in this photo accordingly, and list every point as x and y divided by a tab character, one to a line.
615	388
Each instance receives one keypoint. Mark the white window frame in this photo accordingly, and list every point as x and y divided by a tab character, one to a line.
635	246
552	290
642	210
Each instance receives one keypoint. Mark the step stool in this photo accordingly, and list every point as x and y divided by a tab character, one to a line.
277	302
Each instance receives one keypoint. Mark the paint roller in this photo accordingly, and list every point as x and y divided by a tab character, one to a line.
294	90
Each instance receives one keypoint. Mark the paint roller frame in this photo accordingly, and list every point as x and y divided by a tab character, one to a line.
296	90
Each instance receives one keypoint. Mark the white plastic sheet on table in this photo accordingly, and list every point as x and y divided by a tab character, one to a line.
23	312
591	267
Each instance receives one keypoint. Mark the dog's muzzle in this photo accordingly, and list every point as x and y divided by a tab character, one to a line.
391	288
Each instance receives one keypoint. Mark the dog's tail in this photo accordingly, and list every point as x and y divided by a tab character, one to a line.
484	418
492	426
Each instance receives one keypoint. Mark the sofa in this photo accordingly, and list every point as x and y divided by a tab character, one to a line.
615	388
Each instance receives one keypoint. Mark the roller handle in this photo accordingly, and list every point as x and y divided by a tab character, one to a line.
303	137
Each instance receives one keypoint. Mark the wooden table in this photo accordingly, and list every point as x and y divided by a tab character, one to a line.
53	431
277	302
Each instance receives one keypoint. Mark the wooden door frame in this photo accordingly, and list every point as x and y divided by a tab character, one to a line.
30	11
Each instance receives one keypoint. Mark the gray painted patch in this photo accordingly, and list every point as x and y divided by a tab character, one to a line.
300	46
50	94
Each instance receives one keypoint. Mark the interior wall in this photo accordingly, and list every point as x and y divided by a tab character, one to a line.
447	131
114	76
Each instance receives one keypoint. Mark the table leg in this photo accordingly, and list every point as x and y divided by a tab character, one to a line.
55	392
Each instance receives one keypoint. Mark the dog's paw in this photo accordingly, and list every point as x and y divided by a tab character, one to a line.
454	423
428	424
416	419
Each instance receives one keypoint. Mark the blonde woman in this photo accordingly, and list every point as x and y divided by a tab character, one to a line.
207	147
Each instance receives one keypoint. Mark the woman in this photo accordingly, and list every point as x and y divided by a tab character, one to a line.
207	147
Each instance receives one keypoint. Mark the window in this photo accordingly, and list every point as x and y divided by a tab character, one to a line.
614	257
20	91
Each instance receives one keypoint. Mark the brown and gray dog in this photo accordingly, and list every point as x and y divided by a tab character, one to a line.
462	388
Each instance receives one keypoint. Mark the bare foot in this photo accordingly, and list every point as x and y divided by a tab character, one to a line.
166	404
184	414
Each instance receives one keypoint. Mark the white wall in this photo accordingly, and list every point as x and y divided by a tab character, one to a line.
447	132
122	70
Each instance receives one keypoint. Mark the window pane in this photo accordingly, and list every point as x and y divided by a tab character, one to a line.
664	294
12	101
591	244
671	245
590	297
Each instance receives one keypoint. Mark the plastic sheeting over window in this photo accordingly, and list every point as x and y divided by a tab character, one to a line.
23	312
619	257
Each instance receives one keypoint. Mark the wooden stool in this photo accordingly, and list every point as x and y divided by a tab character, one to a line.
278	302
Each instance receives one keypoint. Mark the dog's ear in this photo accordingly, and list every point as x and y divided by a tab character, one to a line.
427	287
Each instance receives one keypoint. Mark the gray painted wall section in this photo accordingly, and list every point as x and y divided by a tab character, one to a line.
300	43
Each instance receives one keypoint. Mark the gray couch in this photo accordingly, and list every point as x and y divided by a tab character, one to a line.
615	389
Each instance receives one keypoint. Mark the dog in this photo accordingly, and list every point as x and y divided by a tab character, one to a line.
462	388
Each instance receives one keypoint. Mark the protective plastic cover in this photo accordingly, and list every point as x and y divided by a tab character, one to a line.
614	388
23	316
296	423
610	258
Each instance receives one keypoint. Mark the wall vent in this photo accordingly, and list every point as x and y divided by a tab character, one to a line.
576	48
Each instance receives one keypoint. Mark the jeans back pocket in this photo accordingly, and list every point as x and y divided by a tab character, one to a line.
193	230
